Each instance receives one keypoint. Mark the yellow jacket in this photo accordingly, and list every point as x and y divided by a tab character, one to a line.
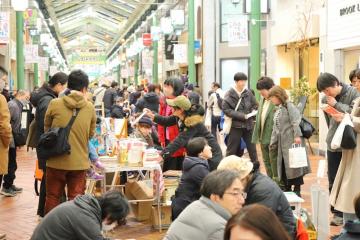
59	114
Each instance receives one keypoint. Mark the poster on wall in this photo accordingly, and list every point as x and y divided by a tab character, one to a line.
4	27
238	31
30	17
43	63
180	53
31	53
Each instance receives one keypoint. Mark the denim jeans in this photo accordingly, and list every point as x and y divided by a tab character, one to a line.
57	179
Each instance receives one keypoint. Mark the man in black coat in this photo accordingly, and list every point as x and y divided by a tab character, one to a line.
84	218
40	99
150	100
110	96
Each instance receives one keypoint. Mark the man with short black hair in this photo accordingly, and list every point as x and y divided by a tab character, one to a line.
84	217
340	96
264	126
70	169
222	195
239	103
215	107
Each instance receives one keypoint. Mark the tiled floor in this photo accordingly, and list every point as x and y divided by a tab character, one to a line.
18	215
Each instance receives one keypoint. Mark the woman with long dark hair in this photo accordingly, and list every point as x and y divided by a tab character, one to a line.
255	222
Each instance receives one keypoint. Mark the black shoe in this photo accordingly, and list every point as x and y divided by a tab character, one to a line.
8	192
16	189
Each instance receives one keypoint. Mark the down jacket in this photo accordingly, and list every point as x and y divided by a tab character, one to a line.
192	127
201	220
150	101
194	171
264	191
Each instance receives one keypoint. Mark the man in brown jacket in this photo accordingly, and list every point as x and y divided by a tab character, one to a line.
70	170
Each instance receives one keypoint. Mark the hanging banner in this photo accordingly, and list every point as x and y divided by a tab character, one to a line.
147	60
155	33
43	63
170	41
177	17
53	70
31	53
238	31
180	53
4	27
147	39
124	72
30	17
166	26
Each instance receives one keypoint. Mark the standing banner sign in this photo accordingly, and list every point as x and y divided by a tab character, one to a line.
4	27
238	31
180	53
43	63
31	53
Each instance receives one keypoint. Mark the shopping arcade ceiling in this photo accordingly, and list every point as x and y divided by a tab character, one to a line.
98	23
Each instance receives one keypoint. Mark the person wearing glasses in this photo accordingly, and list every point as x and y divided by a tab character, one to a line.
262	190
222	196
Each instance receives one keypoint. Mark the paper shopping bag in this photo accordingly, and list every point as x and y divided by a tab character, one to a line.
297	156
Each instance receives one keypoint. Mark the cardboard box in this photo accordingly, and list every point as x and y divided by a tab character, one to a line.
139	191
165	217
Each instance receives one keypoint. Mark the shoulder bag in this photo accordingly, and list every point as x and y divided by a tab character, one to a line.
55	142
228	120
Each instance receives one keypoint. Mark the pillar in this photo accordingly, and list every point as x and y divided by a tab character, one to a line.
191	40
255	44
155	74
20	69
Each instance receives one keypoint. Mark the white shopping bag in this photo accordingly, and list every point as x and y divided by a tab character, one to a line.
297	156
336	141
208	119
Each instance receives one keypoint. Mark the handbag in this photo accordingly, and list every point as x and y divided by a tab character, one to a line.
297	156
20	137
31	140
307	129
228	120
348	140
55	142
342	139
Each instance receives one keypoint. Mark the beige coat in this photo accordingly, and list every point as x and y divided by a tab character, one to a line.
5	134
59	114
347	181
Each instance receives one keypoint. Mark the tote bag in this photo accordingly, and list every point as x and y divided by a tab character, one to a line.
228	120
297	156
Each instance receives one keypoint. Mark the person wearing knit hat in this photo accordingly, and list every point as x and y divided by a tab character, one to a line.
262	190
143	131
179	102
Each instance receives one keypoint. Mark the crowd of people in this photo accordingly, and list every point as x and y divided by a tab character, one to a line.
218	197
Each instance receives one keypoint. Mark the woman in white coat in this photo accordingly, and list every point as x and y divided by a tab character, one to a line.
347	181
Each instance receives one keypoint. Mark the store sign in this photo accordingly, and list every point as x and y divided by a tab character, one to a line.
4	27
88	58
43	63
238	31
343	24
147	60
180	53
349	9
147	39
170	41
31	53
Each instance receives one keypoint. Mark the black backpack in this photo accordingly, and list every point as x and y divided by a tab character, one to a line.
55	141
219	100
